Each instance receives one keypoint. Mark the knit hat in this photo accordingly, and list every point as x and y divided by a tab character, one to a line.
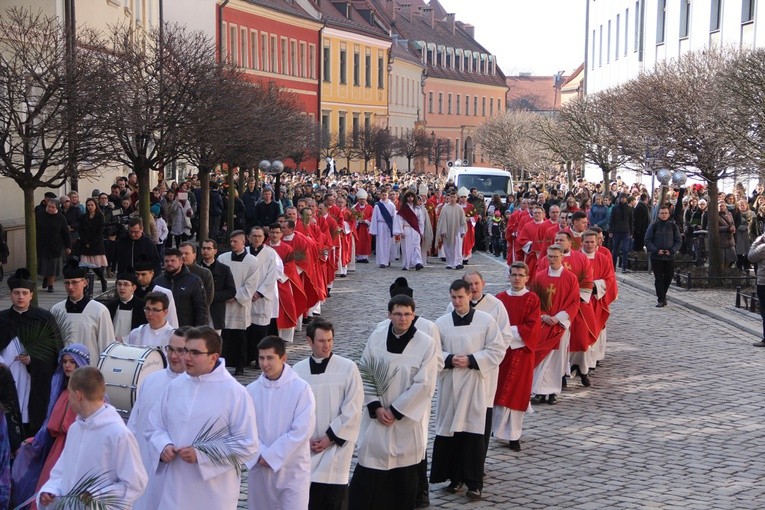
155	209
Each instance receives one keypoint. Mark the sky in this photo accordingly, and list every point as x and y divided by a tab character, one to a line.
542	37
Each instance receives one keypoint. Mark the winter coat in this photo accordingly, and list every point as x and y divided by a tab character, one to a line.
663	235
92	235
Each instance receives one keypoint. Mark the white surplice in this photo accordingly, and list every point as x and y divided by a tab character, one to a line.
100	444
463	393
383	236
189	405
151	392
238	312
21	375
285	415
270	269
145	336
92	328
413	382
411	251
339	396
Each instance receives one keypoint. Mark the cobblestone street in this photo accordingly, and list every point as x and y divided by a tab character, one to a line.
668	423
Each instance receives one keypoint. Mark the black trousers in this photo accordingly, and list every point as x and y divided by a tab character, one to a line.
255	334
761	297
376	489
327	496
663	272
459	458
422	477
487	429
234	347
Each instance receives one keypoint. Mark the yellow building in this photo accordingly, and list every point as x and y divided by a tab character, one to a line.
354	71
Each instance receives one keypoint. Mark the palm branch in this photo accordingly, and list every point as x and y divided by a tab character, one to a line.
220	445
44	340
91	492
376	377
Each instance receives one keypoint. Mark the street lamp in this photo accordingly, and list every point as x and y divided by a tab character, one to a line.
274	168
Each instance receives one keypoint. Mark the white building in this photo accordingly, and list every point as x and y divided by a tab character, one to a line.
625	37
404	95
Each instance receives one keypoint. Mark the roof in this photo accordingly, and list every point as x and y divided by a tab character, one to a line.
285	6
416	20
356	22
537	93
573	76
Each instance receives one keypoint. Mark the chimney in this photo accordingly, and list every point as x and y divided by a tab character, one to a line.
470	29
429	16
451	18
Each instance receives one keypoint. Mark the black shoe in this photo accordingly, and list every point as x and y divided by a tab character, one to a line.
443	259
538	399
585	380
759	344
514	445
342	275
473	495
423	500
418	267
465	262
454	487
404	269
383	266
597	363
103	285
448	267
564	382
459	266
661	304
552	399
50	289
307	320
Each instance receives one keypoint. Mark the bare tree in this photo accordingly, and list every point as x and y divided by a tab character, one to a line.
365	148
46	126
155	82
384	145
347	151
412	145
686	105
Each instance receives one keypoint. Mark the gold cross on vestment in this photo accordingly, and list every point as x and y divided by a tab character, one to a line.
551	290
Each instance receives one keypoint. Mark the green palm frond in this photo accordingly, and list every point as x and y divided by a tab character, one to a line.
91	492
220	445
44	340
376	377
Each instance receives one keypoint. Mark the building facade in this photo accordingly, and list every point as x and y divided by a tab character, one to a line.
405	105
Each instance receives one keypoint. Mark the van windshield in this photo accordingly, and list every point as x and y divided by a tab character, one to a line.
486	184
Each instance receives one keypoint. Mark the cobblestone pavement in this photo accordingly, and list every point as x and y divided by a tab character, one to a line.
670	421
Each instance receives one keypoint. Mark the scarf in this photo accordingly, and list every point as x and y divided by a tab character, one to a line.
410	217
385	213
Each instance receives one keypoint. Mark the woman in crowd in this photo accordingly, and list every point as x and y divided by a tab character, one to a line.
92	251
53	239
741	221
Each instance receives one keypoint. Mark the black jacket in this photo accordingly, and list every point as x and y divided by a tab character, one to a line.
92	235
622	219
266	214
52	235
663	235
189	295
225	289
127	252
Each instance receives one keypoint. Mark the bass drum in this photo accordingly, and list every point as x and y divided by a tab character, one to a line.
125	367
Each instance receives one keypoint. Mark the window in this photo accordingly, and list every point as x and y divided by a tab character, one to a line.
325	128
499	106
685	17
661	16
264	62
747	10
312	61
285	57
616	39
367	70
232	45
637	23
243	46
475	106
491	108
355	130
430	102
356	68
467	105
274	55
608	44
367	123
626	30
341	129
380	72
600	47
483	106
714	19
440	102
593	49
294	62
449	104
254	48
343	66
302	71
459	97
327	55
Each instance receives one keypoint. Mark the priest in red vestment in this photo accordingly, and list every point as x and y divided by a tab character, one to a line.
362	213
516	372
468	242
292	299
531	238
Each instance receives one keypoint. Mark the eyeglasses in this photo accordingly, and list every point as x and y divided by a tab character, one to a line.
153	310
180	351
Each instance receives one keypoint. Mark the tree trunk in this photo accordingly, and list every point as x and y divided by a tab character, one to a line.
144	196
277	185
203	207
231	202
606	177
569	175
409	164
242	183
30	236
713	222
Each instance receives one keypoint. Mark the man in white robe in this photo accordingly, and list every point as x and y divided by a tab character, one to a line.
205	398
98	444
339	395
281	476
472	347
244	268
494	307
89	320
391	441
157	331
265	300
381	227
409	224
151	393
451	230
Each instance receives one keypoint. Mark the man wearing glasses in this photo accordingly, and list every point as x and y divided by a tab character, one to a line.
127	309
135	247
157	332
89	320
195	409
151	392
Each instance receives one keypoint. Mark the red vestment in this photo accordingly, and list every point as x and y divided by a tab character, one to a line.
550	233
469	240
516	372
511	233
603	269
292	300
305	254
533	233
363	215
556	294
576	241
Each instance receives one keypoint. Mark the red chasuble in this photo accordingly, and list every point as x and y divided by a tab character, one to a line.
292	300
469	240
306	258
602	269
556	294
361	215
516	371
535	234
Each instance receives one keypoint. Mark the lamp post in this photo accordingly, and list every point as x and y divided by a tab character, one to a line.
275	168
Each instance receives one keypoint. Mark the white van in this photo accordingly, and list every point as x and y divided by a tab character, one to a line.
488	181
